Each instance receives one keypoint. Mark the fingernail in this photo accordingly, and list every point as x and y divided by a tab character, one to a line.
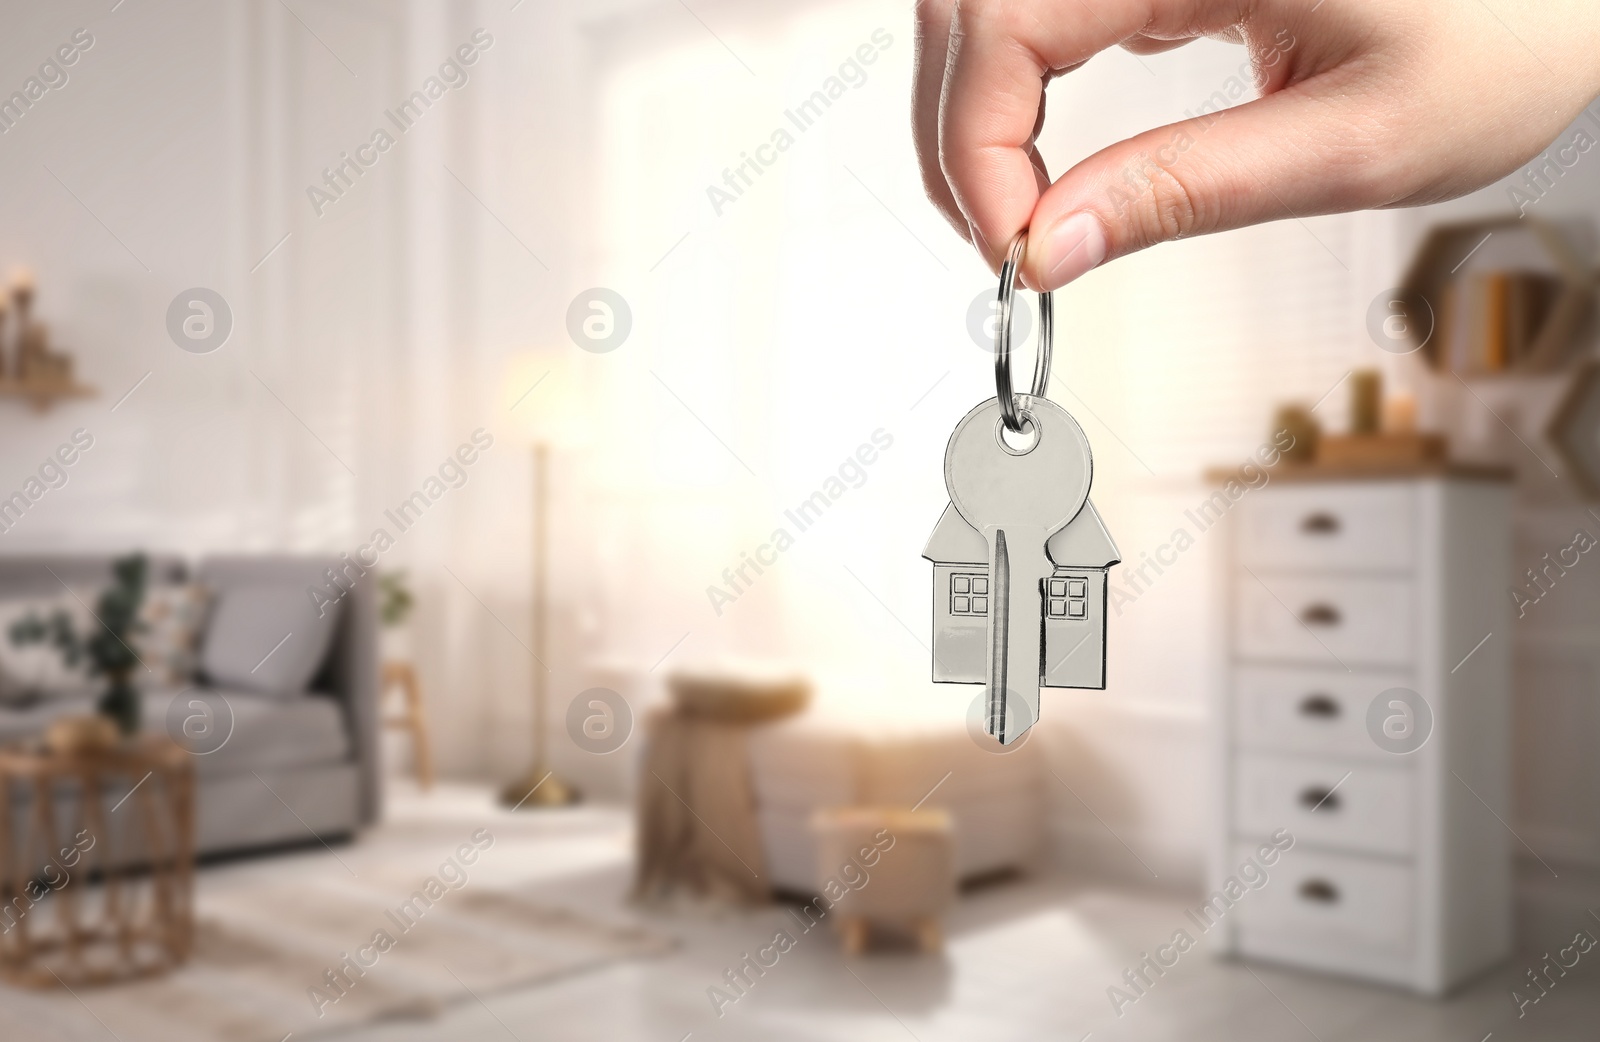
1076	244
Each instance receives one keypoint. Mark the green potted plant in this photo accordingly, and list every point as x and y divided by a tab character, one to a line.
106	648
395	605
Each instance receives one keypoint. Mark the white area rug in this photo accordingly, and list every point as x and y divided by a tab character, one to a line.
266	938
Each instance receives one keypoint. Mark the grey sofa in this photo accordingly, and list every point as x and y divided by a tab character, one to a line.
294	769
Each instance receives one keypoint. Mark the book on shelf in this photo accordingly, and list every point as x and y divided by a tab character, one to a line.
1490	322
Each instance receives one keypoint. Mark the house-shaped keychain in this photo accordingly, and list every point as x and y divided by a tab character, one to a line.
1073	604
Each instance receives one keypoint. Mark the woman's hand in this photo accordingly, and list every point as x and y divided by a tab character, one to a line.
1365	103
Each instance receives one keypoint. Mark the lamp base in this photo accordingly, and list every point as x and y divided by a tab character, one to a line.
538	788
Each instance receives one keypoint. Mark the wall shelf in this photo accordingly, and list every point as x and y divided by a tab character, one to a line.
1518	321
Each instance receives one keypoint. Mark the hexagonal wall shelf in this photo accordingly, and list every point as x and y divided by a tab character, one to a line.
1575	429
1565	296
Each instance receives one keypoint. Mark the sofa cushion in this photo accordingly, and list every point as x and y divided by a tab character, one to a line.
816	760
267	732
172	620
822	760
266	638
249	731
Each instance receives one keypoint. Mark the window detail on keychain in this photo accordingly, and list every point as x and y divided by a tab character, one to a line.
969	594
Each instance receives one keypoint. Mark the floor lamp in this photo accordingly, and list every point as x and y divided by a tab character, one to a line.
540	786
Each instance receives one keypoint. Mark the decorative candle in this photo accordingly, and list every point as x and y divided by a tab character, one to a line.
1400	413
1366	396
1302	426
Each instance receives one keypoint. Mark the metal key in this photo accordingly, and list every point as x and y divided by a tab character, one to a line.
1018	498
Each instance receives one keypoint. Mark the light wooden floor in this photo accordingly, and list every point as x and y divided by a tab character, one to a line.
1026	960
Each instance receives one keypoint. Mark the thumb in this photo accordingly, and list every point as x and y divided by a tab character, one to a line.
1294	153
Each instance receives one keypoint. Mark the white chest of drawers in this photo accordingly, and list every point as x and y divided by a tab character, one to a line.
1336	591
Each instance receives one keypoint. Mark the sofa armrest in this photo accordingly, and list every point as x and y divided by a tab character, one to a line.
355	672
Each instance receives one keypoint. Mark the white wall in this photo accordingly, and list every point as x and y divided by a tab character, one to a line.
189	133
140	134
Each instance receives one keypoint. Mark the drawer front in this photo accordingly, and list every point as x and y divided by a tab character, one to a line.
1333	901
1308	710
1326	801
1317	619
1333	525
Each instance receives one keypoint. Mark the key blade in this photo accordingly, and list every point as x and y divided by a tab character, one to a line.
999	635
1018	567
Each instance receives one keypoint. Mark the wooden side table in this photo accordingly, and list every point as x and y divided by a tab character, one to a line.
404	676
96	863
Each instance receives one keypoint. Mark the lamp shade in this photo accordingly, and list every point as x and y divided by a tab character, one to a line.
544	394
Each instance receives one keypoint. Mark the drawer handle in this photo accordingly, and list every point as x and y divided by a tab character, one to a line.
1315	798
1320	524
1320	615
1319	890
1319	705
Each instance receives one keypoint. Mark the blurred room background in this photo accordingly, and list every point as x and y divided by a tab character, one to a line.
767	312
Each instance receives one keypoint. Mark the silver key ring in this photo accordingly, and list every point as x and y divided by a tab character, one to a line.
1010	409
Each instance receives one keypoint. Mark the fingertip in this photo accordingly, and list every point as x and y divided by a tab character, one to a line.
1076	243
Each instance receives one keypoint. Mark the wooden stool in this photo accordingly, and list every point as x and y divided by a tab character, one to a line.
404	676
894	866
